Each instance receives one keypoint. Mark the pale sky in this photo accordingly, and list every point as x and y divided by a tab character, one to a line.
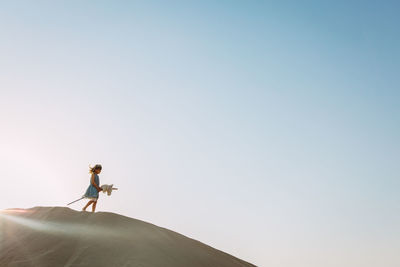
268	130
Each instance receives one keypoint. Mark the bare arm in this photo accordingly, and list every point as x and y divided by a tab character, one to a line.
94	184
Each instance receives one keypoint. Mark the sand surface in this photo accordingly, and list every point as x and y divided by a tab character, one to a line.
58	236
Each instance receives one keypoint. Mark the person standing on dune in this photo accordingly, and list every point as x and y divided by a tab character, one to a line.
92	192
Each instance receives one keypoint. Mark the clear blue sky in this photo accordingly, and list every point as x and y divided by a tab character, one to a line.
269	130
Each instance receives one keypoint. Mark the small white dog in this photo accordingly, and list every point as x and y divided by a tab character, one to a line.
108	188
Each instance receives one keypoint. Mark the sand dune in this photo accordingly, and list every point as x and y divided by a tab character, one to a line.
57	236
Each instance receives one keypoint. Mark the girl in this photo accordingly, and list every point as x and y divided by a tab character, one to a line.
92	192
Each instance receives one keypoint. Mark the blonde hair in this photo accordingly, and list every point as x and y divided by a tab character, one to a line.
95	167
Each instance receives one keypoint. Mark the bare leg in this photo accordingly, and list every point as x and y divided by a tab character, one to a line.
87	205
94	206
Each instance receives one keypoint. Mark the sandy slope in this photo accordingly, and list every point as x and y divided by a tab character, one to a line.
56	236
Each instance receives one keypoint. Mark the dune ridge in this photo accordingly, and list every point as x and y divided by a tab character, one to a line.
59	236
